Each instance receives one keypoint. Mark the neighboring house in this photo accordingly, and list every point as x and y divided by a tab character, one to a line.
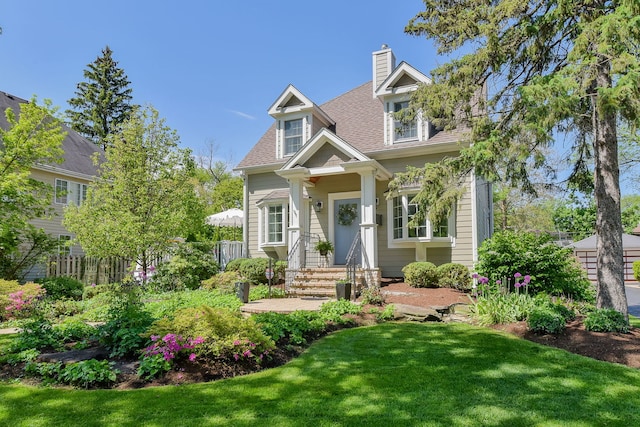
585	251
323	170
69	179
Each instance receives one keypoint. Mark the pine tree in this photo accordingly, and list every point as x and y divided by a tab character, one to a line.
548	67
102	102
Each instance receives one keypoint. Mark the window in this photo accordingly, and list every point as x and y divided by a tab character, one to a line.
292	136
273	225
402	211
404	131
61	191
64	249
67	191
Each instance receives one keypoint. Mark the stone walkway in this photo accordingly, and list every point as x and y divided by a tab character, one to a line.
284	305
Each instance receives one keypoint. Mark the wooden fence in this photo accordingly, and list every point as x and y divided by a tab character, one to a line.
89	269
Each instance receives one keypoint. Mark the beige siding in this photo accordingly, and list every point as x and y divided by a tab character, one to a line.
327	155
391	260
53	224
259	186
320	192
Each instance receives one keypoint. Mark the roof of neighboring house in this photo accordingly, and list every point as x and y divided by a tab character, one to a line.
78	151
359	121
628	242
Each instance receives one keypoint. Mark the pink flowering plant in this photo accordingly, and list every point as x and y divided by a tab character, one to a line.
247	350
158	358
21	303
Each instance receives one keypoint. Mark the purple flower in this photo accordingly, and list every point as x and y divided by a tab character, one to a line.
93	285
517	275
518	284
475	275
498	282
527	279
192	357
236	356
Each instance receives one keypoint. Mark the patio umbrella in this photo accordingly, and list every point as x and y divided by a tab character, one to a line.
229	218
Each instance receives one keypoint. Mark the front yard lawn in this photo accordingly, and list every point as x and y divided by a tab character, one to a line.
383	375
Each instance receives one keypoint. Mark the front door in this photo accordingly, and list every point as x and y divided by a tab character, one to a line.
346	223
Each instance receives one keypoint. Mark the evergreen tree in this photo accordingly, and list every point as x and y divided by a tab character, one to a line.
547	67
102	102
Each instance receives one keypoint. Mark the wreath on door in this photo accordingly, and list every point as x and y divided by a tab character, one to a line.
347	213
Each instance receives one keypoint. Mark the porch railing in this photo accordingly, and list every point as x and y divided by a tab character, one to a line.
308	258
227	250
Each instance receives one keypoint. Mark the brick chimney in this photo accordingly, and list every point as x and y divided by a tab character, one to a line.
383	64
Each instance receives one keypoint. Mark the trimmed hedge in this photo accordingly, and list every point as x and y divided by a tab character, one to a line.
422	274
453	275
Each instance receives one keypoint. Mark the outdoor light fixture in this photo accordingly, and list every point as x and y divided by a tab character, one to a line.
317	206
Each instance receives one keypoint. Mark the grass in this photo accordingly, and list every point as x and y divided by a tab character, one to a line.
390	374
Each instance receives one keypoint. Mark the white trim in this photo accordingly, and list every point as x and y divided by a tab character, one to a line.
476	218
78	175
387	86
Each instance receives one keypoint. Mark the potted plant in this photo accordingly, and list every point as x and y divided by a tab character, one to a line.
324	247
343	289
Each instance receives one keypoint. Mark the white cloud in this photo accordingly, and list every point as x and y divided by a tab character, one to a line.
241	114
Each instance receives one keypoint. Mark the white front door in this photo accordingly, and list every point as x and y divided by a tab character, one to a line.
346	223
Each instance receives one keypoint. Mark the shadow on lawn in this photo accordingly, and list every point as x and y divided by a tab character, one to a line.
390	374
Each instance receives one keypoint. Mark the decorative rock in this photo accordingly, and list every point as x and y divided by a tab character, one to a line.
74	356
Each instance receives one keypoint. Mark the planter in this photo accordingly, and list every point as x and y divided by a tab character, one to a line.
343	291
242	291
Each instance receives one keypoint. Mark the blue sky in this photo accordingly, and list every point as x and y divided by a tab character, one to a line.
211	68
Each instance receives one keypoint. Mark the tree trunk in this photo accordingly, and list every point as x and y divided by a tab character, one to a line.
609	251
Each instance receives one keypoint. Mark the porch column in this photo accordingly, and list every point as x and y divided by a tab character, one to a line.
296	213
368	218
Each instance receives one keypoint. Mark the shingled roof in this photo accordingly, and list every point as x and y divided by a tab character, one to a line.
359	121
78	151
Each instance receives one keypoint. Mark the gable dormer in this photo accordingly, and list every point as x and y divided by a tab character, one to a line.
297	120
394	91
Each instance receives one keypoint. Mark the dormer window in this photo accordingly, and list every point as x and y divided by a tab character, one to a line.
293	132
404	131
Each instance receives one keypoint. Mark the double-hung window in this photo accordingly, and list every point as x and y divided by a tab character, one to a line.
402	211
404	131
64	249
68	191
292	136
273	223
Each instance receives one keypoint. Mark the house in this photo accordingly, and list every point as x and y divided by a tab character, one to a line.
69	179
585	251
322	172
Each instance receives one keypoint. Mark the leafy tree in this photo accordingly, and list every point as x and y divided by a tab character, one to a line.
33	136
143	198
545	68
102	103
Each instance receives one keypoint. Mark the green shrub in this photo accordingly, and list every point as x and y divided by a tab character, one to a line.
606	320
294	328
555	270
94	290
252	270
373	296
234	264
333	311
167	304
74	330
225	333
97	308
421	274
224	281
636	270
36	334
545	320
453	275
127	321
262	292
62	287
56	309
87	373
190	263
